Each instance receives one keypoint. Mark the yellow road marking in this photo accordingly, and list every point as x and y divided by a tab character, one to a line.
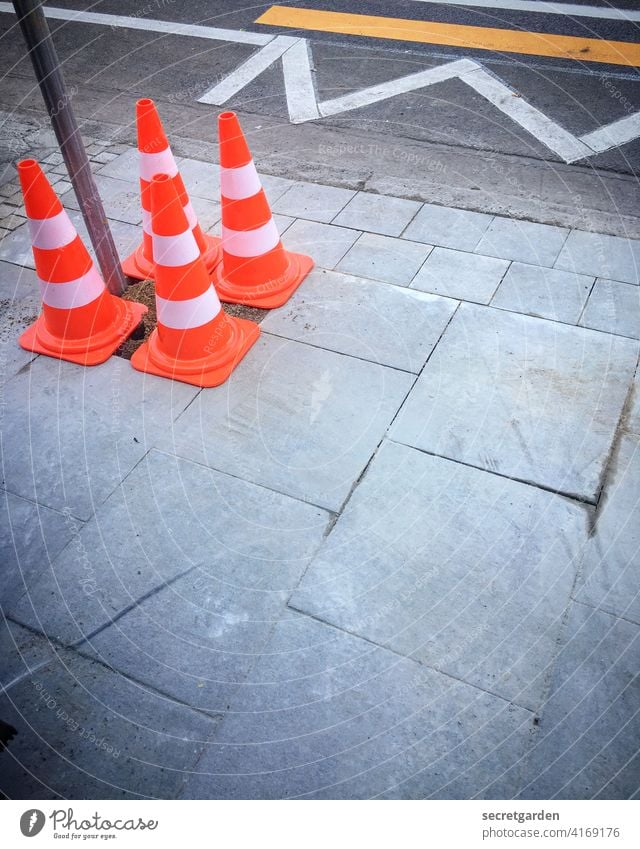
456	35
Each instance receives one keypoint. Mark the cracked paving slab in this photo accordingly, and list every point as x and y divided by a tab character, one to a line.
168	518
324	714
467	572
522	397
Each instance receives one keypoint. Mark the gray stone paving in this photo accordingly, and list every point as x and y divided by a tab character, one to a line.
120	198
388	325
16	247
525	241
310	720
468	573
31	536
325	242
23	652
457	274
308	432
608	577
202	180
13	319
384	258
395	555
86	732
377	214
532	400
313	202
613	307
587	746
611	257
449	228
544	292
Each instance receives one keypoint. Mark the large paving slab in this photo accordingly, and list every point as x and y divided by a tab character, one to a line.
85	732
458	274
462	570
385	258
17	283
609	574
120	198
21	652
31	536
197	638
448	227
295	418
611	257
71	434
15	316
202	180
389	325
313	201
543	292
207	211
378	214
125	166
326	244
327	715
525	241
614	307
590	725
523	397
168	517
16	247
19	307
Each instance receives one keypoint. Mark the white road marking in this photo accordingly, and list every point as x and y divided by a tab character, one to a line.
555	137
383	91
619	132
302	99
149	25
247	71
549	8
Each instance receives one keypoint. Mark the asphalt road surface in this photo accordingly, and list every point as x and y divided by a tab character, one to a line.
577	72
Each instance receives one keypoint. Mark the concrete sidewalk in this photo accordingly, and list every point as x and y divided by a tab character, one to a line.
396	555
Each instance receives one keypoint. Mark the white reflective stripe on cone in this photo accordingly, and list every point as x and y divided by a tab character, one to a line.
76	293
247	243
146	222
192	218
157	163
193	312
240	183
51	233
175	250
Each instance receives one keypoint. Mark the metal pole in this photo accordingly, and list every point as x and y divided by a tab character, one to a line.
49	74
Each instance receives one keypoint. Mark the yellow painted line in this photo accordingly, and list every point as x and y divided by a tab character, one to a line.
456	35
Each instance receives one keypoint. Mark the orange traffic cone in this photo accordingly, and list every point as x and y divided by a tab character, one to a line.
81	321
256	270
195	341
155	157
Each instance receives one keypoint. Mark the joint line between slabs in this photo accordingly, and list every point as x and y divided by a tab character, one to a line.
574	497
405	657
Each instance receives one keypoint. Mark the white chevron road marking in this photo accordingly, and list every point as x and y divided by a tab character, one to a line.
303	103
541	127
304	106
412	82
619	132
